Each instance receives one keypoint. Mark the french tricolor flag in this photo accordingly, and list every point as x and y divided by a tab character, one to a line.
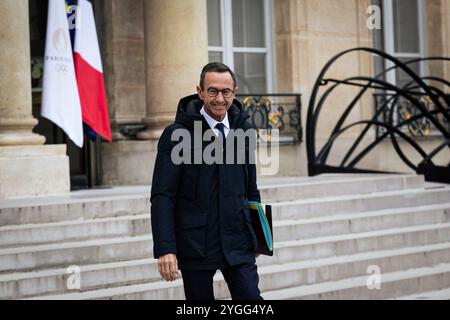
89	72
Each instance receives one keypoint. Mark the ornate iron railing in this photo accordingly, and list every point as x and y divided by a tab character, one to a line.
276	111
403	110
427	106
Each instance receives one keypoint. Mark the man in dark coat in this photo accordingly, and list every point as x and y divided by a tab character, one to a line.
200	221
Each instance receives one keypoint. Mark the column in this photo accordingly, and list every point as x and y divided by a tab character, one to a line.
125	161
27	167
123	52
176	51
16	121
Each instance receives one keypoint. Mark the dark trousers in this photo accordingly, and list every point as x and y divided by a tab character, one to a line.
242	281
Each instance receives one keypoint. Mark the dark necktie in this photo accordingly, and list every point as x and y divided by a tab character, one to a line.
221	128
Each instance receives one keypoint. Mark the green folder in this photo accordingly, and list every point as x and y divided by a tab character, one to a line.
262	226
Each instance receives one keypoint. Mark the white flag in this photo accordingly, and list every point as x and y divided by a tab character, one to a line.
60	98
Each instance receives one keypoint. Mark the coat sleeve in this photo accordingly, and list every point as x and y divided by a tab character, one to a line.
252	185
252	190
166	177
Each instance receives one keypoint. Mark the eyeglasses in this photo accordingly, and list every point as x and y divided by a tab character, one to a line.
226	93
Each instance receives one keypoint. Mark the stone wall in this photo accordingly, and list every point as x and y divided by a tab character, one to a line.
307	34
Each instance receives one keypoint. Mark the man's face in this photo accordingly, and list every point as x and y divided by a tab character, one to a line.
217	94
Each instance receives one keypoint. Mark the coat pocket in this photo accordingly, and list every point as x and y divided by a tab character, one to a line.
191	235
248	220
189	181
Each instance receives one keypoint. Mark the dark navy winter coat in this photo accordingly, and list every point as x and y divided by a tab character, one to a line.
183	205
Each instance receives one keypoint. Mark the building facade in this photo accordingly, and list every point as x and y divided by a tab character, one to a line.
153	52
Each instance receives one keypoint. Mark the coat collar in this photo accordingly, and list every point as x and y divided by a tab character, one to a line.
189	111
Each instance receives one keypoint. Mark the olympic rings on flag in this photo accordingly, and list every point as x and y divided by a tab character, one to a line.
61	68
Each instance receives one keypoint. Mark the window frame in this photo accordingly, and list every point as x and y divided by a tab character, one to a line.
228	50
389	39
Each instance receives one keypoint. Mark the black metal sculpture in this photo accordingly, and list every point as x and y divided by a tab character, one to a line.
423	106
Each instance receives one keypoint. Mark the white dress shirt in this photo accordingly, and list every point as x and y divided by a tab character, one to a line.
212	122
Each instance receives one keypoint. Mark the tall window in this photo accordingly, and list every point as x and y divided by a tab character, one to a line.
402	35
240	35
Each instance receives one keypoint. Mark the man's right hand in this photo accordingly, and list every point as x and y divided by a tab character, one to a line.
168	267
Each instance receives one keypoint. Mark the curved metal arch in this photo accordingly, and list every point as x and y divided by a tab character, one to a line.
382	137
393	129
408	97
366	129
310	129
317	162
353	103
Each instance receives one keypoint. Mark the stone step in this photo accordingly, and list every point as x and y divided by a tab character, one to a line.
120	201
29	234
54	281
286	230
98	276
283	230
393	284
75	253
276	276
341	245
80	252
103	250
430	295
332	232
321	187
86	204
314	208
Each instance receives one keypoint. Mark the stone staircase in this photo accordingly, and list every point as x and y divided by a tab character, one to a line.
329	232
